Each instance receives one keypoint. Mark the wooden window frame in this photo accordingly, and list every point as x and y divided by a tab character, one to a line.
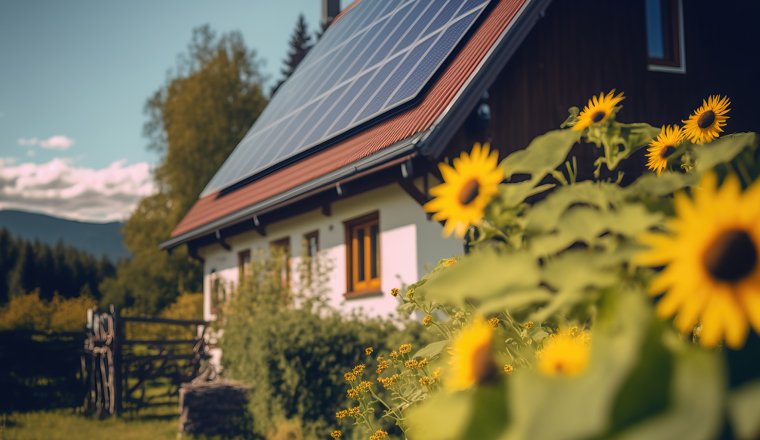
369	286
675	29
242	265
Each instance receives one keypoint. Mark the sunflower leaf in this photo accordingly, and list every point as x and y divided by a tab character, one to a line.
544	154
432	351
722	150
744	410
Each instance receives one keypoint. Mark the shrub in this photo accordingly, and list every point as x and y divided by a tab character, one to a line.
30	312
295	356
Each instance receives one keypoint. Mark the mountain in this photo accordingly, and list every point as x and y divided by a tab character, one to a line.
94	238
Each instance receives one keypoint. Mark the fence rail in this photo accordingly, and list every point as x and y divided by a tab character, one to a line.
118	377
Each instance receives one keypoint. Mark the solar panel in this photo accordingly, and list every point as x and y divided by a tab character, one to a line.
378	56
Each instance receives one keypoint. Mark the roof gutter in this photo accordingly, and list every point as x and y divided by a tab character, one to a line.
356	169
443	129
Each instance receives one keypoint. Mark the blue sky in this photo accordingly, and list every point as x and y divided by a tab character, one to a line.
74	75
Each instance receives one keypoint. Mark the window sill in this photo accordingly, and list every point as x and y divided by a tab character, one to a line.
368	293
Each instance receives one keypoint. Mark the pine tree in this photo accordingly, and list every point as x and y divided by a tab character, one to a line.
300	43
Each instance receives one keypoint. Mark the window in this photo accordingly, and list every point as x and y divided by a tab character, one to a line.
244	264
280	250
363	255
311	245
665	39
216	292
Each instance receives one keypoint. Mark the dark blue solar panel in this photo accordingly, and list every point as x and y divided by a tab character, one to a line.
379	55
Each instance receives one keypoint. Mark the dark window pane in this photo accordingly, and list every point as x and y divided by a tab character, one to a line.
360	253
373	250
655	43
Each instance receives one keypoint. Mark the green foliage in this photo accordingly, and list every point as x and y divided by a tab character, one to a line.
185	306
30	312
564	260
196	120
294	352
28	266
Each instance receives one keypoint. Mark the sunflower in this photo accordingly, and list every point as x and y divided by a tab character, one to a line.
706	122
566	353
712	273
467	189
597	110
472	358
660	149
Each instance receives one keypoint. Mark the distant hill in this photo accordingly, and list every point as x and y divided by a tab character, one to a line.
95	238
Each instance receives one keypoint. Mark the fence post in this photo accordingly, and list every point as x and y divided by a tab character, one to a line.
118	336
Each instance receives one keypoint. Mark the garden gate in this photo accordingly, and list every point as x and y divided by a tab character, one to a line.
131	374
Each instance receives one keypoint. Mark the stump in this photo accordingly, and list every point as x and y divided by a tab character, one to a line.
211	408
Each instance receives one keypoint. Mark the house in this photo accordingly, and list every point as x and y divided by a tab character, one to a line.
341	160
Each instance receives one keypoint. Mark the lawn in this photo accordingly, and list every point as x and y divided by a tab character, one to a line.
68	425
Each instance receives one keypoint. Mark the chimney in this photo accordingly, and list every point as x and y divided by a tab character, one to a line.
330	9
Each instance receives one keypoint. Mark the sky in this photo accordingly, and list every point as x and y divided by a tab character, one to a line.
74	78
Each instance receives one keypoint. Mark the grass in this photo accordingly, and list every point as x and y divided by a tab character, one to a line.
68	425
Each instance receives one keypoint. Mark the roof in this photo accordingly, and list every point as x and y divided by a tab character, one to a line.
387	140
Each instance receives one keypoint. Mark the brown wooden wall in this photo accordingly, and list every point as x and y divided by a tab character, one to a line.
584	47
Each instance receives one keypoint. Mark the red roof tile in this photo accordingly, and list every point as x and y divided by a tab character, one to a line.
415	120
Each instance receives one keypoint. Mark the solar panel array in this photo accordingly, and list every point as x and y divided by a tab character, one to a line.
379	55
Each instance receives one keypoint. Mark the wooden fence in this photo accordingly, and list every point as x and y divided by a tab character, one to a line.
126	374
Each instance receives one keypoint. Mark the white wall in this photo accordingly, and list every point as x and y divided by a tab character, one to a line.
410	246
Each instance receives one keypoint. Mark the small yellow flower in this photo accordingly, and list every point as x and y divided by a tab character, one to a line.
353	393
423	363
437	373
425	380
450	262
393	354
368	351
411	364
566	353
427	320
335	434
598	110
341	414
509	369
494	322
358	369
364	386
404	349
472	357
707	122
529	325
349	376
410	293
394	291
355	411
379	435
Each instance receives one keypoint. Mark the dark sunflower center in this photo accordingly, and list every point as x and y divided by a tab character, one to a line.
484	367
731	257
598	116
667	151
469	192
706	119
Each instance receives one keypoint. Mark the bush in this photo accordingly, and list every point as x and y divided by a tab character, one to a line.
186	306
30	312
295	356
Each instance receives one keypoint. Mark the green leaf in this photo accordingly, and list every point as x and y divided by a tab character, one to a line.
722	150
697	395
574	407
496	274
432	351
744	410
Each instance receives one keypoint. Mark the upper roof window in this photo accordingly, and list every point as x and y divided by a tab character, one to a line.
665	39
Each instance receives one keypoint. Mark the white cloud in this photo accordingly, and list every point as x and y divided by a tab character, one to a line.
57	142
60	189
31	153
7	161
28	142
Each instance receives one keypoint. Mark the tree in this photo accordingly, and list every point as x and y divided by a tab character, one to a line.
299	47
195	121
